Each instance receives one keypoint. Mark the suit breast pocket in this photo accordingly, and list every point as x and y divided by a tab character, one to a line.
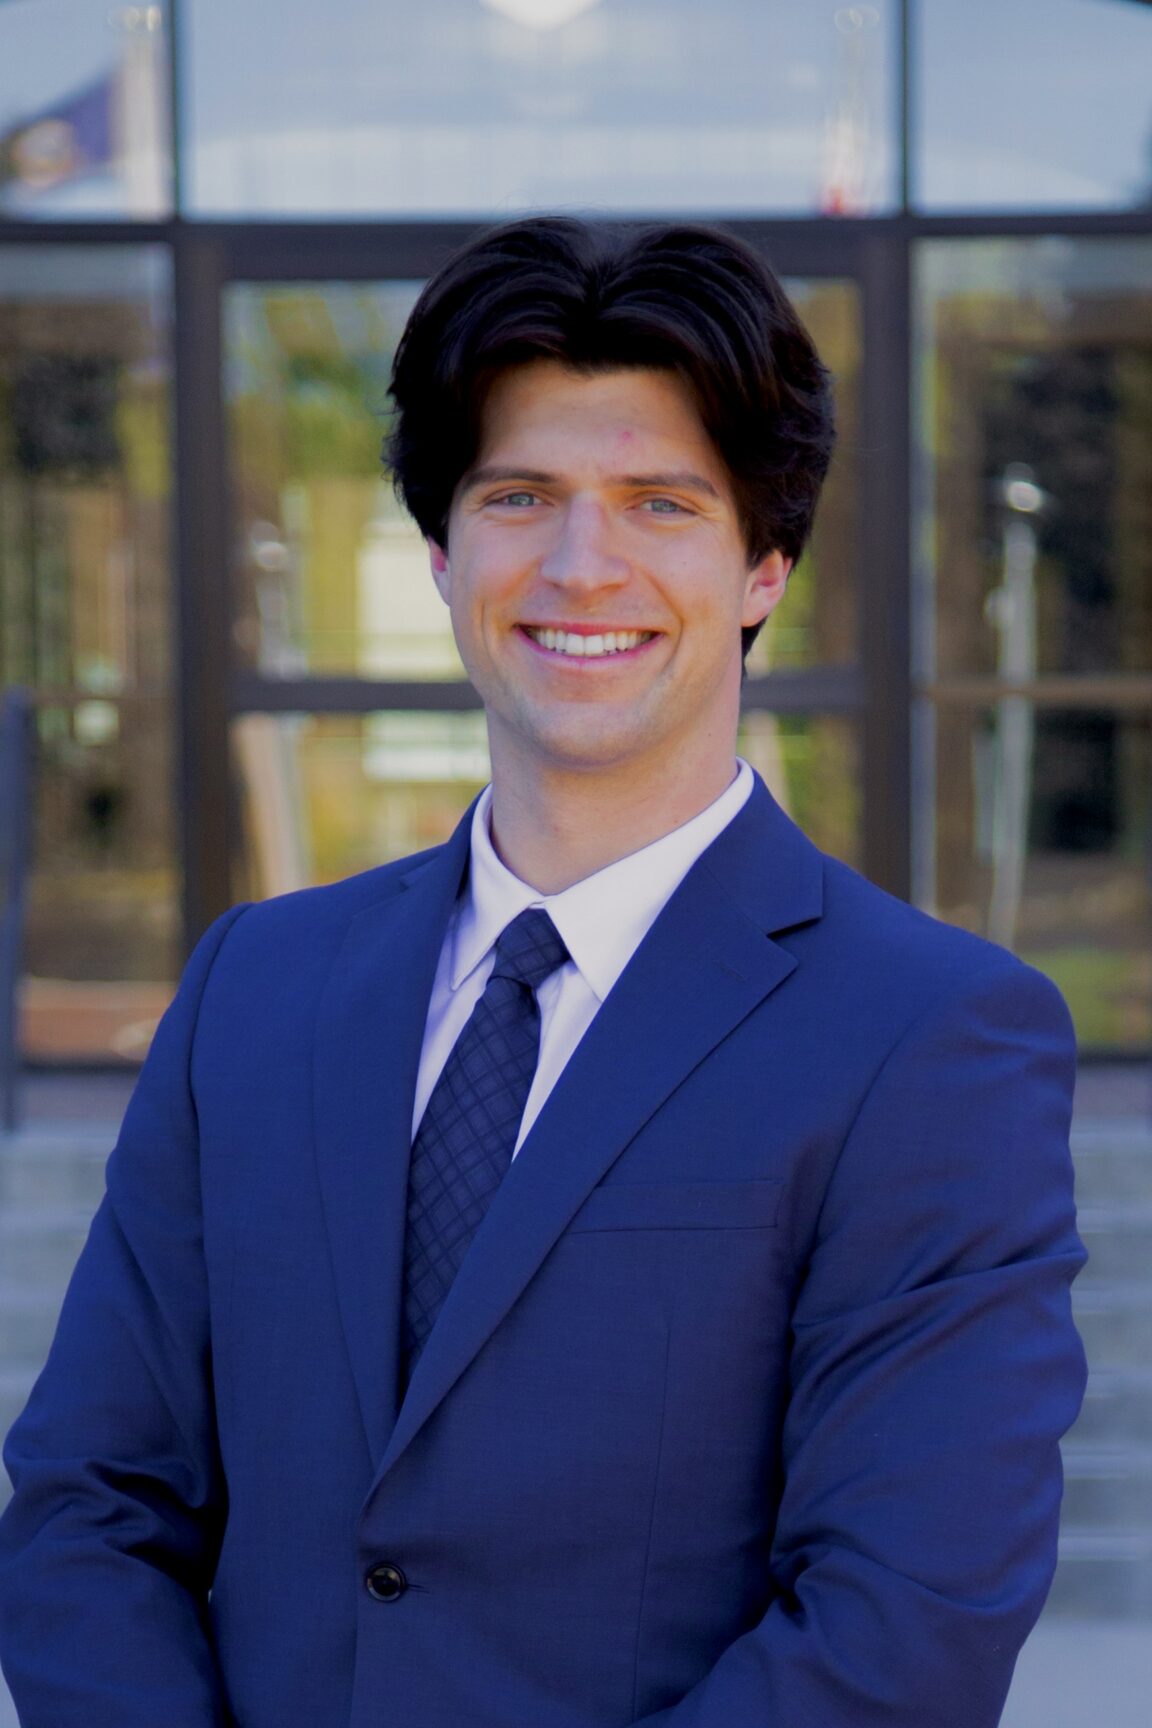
680	1206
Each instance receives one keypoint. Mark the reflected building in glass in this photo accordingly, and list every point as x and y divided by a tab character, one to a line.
86	606
1035	578
472	107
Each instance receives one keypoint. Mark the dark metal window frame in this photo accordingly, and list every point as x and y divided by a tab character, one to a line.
348	253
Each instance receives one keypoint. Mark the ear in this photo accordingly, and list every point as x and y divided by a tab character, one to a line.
438	558
764	588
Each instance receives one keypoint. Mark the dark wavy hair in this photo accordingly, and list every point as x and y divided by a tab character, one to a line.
683	297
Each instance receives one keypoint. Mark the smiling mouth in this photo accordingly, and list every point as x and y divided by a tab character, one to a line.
588	647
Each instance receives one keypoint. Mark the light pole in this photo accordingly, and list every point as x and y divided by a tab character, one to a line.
1011	609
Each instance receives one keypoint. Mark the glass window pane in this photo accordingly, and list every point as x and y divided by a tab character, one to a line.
816	623
325	795
1038	837
1036	105
85	622
332	576
811	765
455	107
1035	429
84	111
103	934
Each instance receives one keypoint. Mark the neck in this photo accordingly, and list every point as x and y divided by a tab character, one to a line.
556	829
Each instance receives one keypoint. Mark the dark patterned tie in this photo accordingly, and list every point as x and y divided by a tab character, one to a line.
467	1135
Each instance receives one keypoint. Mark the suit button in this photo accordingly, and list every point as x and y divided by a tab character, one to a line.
386	1583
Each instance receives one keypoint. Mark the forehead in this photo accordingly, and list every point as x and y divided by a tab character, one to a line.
617	411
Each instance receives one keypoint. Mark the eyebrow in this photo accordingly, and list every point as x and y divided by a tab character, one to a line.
680	479
491	475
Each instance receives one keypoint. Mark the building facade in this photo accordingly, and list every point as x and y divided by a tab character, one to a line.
212	226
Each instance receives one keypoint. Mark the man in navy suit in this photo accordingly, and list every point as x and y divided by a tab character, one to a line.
612	1268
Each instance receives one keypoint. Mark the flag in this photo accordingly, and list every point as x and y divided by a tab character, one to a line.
67	141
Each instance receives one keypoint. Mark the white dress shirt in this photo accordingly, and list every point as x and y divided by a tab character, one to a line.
602	919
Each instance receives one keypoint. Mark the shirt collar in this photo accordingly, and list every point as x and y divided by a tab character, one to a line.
602	919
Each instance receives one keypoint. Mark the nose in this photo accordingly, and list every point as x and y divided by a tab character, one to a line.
584	556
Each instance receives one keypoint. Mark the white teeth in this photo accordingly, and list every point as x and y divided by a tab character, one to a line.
584	647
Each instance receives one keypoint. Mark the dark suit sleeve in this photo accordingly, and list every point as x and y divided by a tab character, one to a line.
935	1366
108	1547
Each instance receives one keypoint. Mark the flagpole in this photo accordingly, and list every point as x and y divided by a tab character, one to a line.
141	129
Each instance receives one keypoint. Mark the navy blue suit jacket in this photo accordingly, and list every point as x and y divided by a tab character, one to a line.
742	1413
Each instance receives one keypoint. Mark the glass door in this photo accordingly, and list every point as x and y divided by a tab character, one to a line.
86	625
1034	610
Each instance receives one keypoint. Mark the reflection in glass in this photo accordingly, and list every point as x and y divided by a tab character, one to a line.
810	763
323	796
1036	440
1045	849
816	623
84	126
456	107
332	576
85	623
1037	105
102	924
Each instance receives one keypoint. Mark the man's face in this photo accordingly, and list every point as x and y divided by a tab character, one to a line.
597	576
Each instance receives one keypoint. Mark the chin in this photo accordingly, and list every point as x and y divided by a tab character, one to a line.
589	751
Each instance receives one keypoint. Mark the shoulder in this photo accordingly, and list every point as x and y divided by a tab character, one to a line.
297	934
902	965
867	964
335	903
948	1063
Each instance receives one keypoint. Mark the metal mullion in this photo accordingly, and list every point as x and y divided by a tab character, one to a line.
72	695
88	233
253	694
202	587
817	248
805	690
345	252
175	109
885	562
808	689
997	225
1131	693
905	122
316	252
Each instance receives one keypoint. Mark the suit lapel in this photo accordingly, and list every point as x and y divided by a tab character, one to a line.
369	1034
704	966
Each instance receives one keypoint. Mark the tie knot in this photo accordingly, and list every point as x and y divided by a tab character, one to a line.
529	949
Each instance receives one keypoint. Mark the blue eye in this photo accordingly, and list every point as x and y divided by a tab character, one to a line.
519	499
665	507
